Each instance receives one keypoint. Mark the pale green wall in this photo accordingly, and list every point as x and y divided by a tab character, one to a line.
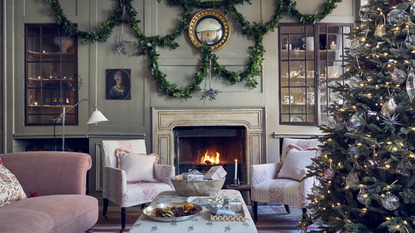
131	117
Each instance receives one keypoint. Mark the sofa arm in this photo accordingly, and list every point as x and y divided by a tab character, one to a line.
263	172
164	173
49	172
114	186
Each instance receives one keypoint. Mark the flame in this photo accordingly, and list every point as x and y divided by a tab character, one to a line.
211	160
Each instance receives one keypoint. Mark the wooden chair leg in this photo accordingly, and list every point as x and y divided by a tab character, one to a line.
122	218
255	210
287	208
304	213
105	208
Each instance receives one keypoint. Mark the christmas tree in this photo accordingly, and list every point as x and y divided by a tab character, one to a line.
365	170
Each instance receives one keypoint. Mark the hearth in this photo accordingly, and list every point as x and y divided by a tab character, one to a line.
201	147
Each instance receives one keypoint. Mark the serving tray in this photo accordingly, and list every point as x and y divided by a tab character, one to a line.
150	210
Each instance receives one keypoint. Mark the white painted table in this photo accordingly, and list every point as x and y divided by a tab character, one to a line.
200	223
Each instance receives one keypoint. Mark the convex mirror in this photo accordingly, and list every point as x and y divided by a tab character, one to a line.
210	26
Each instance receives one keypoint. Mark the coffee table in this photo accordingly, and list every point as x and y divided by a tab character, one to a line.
200	223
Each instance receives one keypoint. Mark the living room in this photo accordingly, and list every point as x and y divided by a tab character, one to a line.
136	117
148	110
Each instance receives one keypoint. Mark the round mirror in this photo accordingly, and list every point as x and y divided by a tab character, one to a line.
209	26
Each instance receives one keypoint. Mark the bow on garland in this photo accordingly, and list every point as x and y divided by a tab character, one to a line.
148	45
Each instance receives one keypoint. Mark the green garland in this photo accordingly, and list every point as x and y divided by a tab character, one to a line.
148	45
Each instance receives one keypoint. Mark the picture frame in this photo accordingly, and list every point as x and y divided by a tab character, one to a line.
118	84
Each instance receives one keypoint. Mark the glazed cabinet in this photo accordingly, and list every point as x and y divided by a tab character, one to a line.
51	80
310	60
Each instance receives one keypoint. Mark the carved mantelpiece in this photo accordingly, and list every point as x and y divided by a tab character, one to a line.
166	119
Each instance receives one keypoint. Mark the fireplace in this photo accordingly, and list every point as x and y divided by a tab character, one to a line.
201	147
166	120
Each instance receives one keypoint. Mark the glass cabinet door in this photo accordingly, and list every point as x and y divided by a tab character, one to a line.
332	43
50	74
297	82
310	61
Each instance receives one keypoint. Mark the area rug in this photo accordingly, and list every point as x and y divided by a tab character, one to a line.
271	219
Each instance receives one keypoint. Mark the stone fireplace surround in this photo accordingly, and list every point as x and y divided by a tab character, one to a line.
164	120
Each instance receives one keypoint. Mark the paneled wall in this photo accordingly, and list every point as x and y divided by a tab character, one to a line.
132	118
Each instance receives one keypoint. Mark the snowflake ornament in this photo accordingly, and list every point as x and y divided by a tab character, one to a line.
393	120
211	93
401	50
120	47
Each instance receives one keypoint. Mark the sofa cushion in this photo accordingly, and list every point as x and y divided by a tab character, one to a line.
10	188
50	214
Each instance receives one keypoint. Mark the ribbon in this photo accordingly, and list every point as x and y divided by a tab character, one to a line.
210	72
122	24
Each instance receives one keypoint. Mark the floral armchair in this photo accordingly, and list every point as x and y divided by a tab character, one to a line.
127	194
266	186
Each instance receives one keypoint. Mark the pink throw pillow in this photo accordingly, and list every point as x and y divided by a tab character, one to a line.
137	167
295	161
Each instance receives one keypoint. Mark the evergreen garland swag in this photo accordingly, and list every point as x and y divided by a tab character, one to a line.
148	45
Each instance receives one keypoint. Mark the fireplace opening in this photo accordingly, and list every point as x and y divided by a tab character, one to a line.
201	147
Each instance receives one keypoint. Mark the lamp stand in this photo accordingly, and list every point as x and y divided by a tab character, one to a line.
63	129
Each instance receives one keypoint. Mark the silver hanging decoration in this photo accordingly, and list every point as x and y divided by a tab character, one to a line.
388	108
352	178
120	46
355	48
211	93
380	30
410	84
408	40
397	75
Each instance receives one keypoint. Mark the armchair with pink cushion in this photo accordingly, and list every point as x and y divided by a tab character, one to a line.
127	194
268	186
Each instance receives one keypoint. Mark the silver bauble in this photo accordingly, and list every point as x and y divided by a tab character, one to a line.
396	17
390	201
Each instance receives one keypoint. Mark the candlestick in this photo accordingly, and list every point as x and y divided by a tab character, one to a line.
333	46
236	169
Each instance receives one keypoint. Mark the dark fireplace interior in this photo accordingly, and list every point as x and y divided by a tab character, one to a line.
201	147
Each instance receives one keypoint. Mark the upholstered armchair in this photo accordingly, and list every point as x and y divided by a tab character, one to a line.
115	185
268	184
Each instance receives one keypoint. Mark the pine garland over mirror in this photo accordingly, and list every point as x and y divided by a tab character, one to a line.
125	13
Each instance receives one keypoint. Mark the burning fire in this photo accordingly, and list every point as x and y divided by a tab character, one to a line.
207	159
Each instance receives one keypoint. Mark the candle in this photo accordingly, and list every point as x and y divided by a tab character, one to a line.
236	169
333	46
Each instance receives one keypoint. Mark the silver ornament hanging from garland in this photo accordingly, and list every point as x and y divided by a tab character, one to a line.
362	196
396	17
410	84
390	201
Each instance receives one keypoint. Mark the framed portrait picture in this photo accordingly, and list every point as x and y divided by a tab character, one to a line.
118	84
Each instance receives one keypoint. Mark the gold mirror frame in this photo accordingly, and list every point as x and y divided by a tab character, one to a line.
206	15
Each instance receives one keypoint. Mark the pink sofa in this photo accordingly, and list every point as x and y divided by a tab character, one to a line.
60	180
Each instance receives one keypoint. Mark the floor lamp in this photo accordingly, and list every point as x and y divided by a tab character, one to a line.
96	117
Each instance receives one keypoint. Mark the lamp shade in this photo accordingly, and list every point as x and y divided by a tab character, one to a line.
97	117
